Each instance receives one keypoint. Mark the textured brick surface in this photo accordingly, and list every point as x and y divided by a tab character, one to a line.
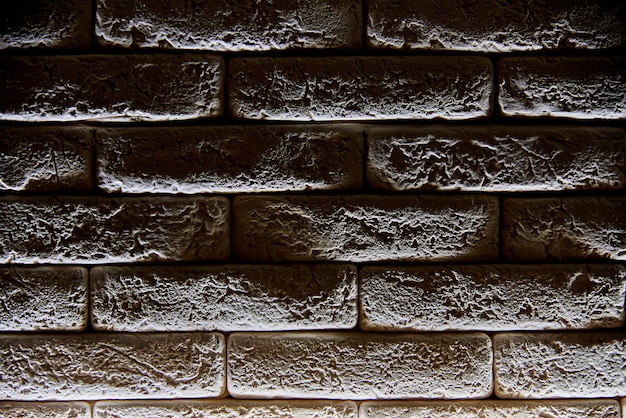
605	408
495	26
230	26
99	230
227	408
345	88
365	228
46	24
43	298
45	159
559	365
564	228
495	158
497	297
105	366
570	87
232	297
110	88
45	410
229	159
359	365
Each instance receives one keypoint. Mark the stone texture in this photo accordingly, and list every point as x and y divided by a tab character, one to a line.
43	298
495	158
600	408
359	365
349	88
495	26
59	24
560	365
564	228
223	25
96	230
229	159
118	366
492	298
365	228
227	409
569	87
110	88
227	298
46	159
45	410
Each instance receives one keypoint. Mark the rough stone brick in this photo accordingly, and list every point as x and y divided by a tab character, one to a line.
98	230
226	408
365	228
597	408
492	298
230	26
227	298
45	410
564	228
46	24
118	366
110	88
43	298
495	26
359	365
47	159
228	159
570	87
496	158
348	88
560	365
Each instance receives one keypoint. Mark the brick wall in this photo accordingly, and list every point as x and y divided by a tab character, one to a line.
312	208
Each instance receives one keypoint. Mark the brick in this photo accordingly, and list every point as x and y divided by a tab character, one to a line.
110	88
359	365
45	410
560	365
229	26
43	298
495	158
596	408
45	24
492	298
495	26
227	298
362	228
229	159
119	366
568	87
564	228
348	88
45	159
96	230
226	408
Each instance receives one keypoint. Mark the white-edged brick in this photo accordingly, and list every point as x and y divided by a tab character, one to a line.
359	365
362	228
111	366
568	87
230	159
495	158
560	365
222	25
45	410
595	408
43	298
492	297
225	409
225	298
96	230
360	88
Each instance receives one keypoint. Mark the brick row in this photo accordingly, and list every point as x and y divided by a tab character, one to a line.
45	410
